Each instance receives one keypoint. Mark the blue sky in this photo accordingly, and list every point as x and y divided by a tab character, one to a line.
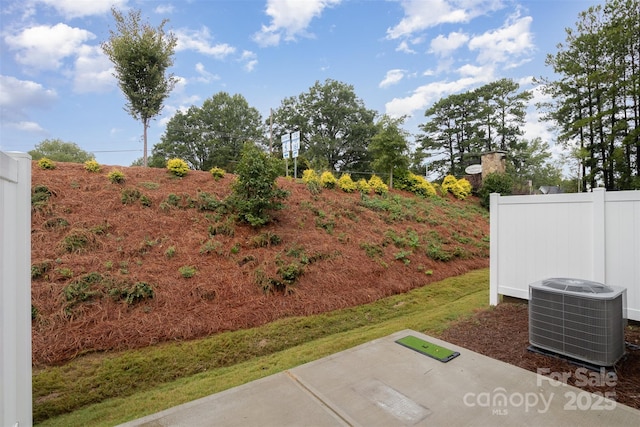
399	55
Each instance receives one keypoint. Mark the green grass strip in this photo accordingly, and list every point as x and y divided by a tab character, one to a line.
103	390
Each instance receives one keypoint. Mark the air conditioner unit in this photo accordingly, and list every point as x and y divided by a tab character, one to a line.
578	319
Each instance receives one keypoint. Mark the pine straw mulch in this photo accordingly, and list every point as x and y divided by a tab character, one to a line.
503	333
128	242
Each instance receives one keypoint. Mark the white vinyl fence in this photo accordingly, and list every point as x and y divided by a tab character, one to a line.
15	290
592	236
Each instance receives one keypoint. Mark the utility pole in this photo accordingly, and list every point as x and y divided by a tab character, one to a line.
270	130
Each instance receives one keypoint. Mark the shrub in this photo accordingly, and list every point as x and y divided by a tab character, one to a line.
77	240
346	184
132	294
187	271
328	180
216	173
460	188
170	252
309	175
363	186
40	195
45	163
177	167
377	185
254	193
92	165
129	195
414	183
494	183
116	176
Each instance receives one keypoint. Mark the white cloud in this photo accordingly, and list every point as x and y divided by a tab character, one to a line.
420	15
44	47
509	42
404	47
200	41
289	19
392	77
25	126
17	97
426	95
444	45
205	76
79	8
93	71
19	94
249	59
164	9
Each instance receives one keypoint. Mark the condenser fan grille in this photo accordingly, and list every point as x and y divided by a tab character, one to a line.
588	326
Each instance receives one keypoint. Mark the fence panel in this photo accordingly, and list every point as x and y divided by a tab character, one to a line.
15	289
593	236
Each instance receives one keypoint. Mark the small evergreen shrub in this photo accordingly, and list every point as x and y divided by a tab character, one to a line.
414	183
494	183
363	186
216	173
116	176
328	180
92	166
460	188
40	195
177	167
137	292
187	271
346	184
377	185
309	175
45	163
129	196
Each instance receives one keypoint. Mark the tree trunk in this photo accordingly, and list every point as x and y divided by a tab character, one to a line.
145	123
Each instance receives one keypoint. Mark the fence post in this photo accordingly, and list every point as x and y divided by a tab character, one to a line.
494	201
599	235
15	290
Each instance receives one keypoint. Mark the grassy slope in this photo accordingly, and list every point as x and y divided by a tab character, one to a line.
276	347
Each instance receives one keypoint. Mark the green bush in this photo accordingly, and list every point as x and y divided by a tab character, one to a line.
377	185
92	166
129	196
328	180
137	292
346	184
254	192
116	176
45	163
187	271
177	167
40	195
494	183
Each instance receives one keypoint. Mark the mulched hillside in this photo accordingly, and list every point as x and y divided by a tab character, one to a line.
110	262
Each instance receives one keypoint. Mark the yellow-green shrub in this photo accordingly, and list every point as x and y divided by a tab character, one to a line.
45	163
422	186
460	188
309	175
216	173
116	176
346	184
377	185
178	167
92	165
328	180
363	186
